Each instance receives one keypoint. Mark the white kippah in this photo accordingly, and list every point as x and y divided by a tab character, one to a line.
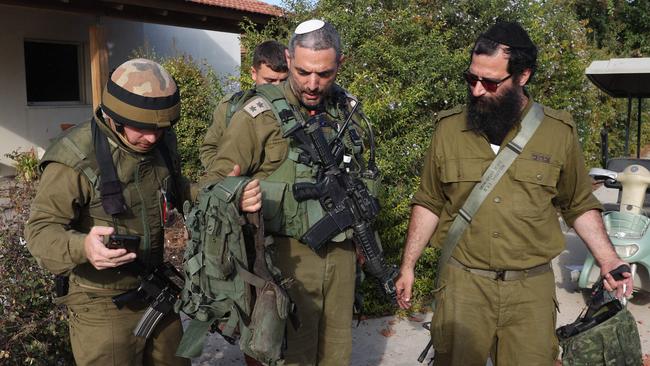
309	26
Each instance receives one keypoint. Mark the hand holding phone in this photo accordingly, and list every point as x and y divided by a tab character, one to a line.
129	242
102	248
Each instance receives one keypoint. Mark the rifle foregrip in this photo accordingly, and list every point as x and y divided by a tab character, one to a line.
375	265
303	191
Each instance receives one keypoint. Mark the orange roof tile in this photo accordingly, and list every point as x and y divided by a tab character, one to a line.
251	6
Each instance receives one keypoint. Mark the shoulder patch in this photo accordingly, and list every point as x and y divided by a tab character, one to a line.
257	106
562	116
449	112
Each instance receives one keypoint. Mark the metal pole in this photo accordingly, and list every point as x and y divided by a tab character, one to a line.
627	126
638	129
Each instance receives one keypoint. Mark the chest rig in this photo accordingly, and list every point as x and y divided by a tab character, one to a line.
135	204
283	214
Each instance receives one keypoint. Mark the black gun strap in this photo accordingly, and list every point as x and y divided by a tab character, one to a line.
174	169
110	186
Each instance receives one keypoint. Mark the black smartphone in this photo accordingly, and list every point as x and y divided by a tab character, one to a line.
129	242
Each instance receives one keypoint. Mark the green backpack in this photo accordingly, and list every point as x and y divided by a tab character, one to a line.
231	287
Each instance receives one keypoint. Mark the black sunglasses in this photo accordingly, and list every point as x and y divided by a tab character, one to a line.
489	84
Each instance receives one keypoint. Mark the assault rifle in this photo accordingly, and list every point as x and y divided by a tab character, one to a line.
347	204
602	306
160	287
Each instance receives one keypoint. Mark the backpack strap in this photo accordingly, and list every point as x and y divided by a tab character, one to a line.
166	146
235	102
489	180
288	118
110	186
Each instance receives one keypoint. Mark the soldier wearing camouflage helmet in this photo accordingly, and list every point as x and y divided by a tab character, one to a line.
75	210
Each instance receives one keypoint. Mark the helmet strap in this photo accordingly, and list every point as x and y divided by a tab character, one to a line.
119	131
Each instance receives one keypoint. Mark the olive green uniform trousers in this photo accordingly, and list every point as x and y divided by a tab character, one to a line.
513	322
102	334
324	295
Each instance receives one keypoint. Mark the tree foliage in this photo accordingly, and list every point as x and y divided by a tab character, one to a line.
404	60
200	90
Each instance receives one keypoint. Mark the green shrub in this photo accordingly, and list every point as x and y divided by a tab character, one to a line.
26	164
33	331
200	91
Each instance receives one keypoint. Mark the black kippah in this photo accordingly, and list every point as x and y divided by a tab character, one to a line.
510	34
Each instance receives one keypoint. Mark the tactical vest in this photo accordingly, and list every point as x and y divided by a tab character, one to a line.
283	215
142	176
231	285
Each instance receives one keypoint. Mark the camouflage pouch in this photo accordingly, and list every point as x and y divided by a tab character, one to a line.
614	342
266	330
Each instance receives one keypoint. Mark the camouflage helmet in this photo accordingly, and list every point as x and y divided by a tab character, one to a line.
141	93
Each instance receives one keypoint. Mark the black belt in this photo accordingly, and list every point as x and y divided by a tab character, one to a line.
504	275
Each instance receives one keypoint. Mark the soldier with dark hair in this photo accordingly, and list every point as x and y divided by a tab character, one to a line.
496	292
269	67
269	63
118	173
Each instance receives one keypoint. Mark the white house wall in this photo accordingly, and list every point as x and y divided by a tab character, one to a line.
219	50
23	126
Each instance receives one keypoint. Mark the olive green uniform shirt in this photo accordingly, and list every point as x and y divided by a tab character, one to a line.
66	206
517	226
210	147
253	142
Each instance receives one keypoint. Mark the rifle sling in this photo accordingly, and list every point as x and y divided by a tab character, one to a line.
110	186
489	180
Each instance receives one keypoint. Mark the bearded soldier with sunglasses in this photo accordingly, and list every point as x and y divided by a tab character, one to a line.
495	291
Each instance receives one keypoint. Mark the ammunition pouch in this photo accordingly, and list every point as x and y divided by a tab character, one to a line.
265	334
61	285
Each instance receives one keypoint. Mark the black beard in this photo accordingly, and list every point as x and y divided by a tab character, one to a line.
494	117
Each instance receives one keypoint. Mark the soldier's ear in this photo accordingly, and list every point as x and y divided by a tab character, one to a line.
342	59
287	57
524	77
